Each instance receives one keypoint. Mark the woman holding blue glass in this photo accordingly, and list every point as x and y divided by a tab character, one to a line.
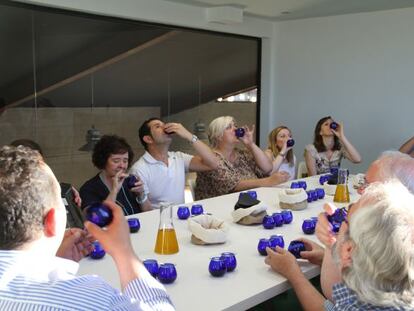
239	168
112	155
329	146
280	152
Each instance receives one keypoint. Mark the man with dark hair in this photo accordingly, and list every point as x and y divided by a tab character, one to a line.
163	171
32	224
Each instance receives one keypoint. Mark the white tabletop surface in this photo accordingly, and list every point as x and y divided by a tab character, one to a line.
195	289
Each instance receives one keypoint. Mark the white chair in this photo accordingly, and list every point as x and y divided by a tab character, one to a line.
302	170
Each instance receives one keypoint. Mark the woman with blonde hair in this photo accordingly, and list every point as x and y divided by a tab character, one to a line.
280	153
239	168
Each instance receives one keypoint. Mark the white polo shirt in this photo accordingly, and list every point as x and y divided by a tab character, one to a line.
163	183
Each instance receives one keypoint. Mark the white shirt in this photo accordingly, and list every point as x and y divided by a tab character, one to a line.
163	183
286	167
36	282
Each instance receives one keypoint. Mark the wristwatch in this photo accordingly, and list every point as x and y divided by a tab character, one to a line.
193	139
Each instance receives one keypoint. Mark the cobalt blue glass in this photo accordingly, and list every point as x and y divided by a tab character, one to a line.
334	171
339	215
308	226
130	181
98	251
315	219
167	273
276	240
322	179
183	212
302	184
295	247
333	125
152	266
252	194
268	222
197	209
229	261
290	142
320	192
309	199
217	266
240	132
261	247
99	214
294	185
314	195
287	216
134	225
278	219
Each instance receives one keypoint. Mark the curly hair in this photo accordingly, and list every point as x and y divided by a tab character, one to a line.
107	145
27	190
318	141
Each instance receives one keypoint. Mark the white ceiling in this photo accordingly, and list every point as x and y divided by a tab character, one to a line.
277	9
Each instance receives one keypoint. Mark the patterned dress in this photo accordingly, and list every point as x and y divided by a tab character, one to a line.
323	164
225	178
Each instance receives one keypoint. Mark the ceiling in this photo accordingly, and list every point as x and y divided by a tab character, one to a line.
279	10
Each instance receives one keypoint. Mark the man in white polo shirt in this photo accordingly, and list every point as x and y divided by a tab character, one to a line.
162	171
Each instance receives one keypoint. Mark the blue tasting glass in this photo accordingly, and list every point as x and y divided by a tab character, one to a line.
229	261
152	266
278	219
197	209
130	181
290	142
261	247
98	252
268	222
287	216
308	226
183	212
167	273
217	267
99	214
276	240
302	184
295	247
134	224
240	132
320	192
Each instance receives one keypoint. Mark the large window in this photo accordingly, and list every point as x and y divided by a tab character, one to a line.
66	75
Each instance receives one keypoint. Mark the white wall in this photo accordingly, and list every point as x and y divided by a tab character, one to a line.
359	68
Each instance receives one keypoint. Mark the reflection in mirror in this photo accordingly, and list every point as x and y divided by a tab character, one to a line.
66	75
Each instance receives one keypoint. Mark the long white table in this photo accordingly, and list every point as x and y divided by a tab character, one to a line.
195	289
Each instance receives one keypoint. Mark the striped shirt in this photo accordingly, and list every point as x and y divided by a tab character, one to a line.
32	282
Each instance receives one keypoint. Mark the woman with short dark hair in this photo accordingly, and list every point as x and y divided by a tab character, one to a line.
328	148
113	156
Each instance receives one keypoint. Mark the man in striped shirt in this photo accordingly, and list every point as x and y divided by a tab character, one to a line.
32	225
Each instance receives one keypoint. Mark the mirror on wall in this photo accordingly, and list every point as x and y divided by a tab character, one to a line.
68	77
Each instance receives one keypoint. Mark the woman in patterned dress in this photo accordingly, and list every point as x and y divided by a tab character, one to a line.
239	168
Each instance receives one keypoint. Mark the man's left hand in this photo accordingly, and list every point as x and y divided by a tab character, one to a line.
75	245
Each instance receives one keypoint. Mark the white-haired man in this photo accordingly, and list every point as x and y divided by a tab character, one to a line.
375	254
390	165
